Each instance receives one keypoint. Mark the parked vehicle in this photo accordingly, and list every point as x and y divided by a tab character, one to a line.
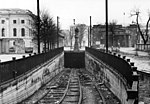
28	50
12	50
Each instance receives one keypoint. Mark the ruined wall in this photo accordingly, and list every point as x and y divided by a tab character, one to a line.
20	88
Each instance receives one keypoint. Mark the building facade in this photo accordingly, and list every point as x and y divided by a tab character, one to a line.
134	34
119	37
15	31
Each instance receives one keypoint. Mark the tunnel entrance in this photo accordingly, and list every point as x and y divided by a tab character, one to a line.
74	59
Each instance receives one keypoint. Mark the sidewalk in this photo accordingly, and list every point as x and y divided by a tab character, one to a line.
8	57
132	51
141	60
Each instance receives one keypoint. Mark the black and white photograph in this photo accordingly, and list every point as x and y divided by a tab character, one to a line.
74	51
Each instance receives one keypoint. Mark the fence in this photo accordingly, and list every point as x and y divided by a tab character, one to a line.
116	63
12	69
143	47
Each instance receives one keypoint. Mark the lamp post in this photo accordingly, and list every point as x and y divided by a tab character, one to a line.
72	33
136	53
38	23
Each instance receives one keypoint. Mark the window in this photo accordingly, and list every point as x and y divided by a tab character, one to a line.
22	21
23	32
3	21
14	21
3	32
14	31
29	22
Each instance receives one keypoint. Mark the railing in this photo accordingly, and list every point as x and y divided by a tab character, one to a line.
12	69
142	47
116	63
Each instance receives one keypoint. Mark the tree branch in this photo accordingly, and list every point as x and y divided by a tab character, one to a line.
147	29
142	35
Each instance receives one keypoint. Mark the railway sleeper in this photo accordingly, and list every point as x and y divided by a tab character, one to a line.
74	89
74	86
73	93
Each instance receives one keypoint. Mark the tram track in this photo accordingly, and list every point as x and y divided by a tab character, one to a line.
76	86
56	91
102	94
90	90
73	94
66	91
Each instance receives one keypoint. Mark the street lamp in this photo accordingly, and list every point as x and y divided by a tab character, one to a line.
72	28
136	54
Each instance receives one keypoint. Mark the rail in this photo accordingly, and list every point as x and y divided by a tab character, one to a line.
73	80
142	47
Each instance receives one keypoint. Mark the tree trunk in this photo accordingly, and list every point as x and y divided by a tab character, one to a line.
145	39
44	45
48	45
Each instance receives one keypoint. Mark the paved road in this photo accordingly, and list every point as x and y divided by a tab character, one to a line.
131	50
142	61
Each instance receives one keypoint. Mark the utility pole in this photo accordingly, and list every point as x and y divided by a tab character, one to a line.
88	37
38	20
106	25
90	32
57	31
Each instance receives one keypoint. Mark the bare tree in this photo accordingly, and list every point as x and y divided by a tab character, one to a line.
48	30
144	34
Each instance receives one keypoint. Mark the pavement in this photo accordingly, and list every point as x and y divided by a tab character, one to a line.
132	51
141	59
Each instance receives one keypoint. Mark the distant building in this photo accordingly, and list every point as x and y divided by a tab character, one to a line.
119	38
15	31
134	34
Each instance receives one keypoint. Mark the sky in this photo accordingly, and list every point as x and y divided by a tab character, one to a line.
81	10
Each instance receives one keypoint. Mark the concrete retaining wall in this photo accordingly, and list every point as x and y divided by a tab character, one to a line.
144	87
24	86
112	79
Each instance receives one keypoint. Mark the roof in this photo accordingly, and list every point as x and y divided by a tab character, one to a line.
15	11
